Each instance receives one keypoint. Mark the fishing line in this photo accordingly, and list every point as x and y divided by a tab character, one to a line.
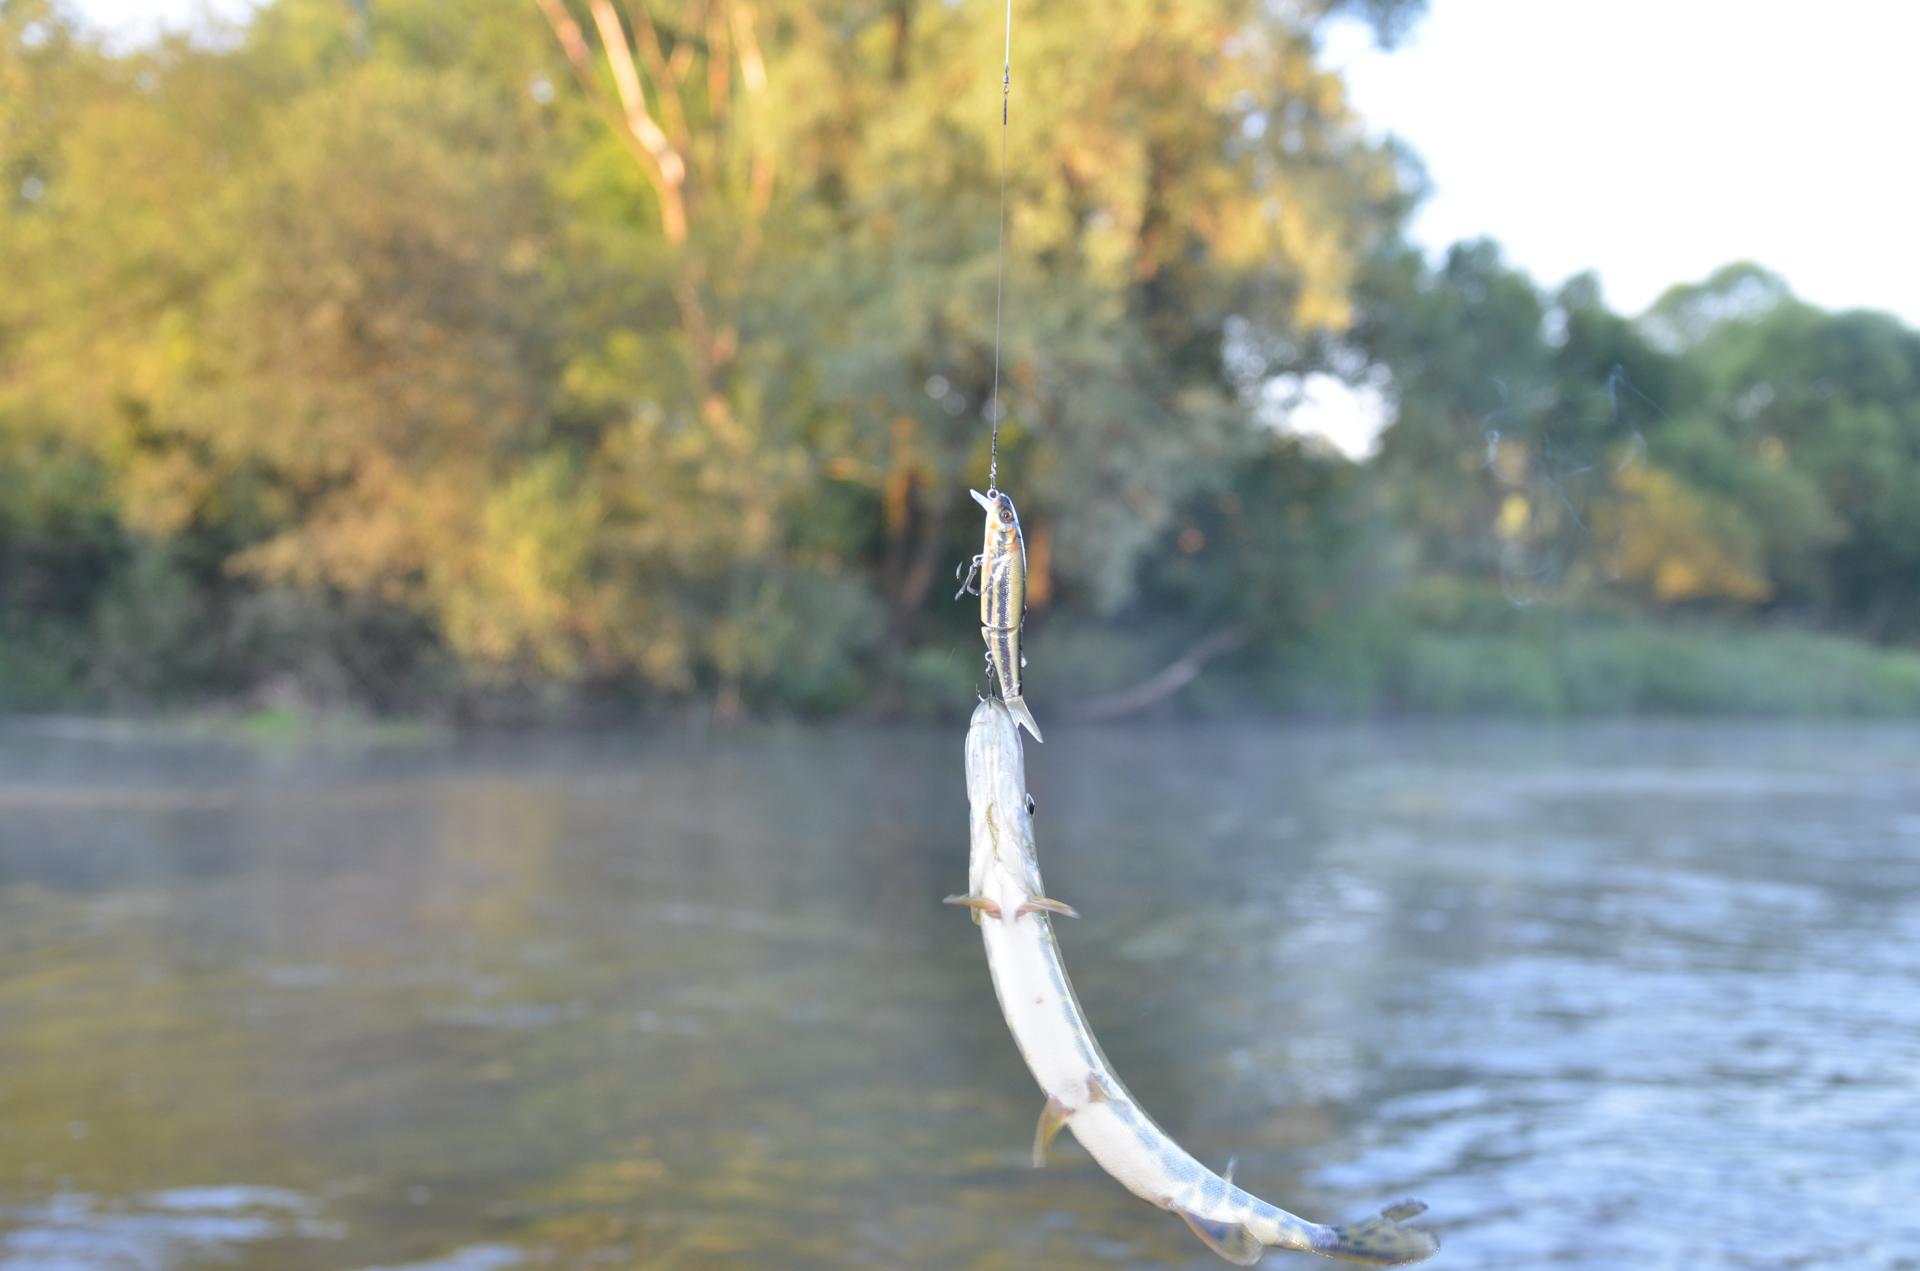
1000	262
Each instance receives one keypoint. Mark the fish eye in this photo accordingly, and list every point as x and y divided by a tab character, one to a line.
1031	805
1006	514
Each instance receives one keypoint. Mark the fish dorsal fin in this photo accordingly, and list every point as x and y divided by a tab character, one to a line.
1231	1240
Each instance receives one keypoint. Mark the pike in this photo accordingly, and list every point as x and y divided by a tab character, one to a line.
1001	570
1083	1094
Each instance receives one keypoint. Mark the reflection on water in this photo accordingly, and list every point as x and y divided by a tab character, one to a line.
1605	997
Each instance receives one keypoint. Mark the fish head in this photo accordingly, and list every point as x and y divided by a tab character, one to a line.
999	509
997	777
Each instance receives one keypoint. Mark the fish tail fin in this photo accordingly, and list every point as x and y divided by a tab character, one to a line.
1381	1241
1022	716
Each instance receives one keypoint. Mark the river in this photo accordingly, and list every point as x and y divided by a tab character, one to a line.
1604	995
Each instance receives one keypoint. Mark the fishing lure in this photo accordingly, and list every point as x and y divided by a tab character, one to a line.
999	576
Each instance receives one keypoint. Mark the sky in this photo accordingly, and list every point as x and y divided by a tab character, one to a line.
1650	141
1655	140
137	18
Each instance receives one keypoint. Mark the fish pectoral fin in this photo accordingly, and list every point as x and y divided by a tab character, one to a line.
1382	1241
979	904
1231	1240
1038	904
1052	1117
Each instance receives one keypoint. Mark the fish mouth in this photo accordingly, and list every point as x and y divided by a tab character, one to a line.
983	500
985	711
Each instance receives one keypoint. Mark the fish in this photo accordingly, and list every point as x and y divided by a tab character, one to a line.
1014	913
1001	570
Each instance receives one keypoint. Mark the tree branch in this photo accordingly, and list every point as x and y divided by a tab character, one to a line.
667	85
670	169
753	73
1177	674
573	43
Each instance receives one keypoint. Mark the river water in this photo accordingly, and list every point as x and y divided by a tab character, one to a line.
1605	996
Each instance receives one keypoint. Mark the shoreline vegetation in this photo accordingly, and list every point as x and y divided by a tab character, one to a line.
472	363
1588	669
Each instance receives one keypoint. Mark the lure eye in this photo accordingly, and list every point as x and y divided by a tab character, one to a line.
1031	805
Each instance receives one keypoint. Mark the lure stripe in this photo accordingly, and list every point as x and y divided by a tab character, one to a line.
1003	599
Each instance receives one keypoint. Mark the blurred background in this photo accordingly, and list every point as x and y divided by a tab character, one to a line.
480	482
465	361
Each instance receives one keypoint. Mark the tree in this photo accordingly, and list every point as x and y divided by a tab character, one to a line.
1549	443
1174	174
1815	419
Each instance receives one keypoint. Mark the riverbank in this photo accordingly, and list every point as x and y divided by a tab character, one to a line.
1546	665
1549	665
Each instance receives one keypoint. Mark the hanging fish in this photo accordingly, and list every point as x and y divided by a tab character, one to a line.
1001	573
1084	1096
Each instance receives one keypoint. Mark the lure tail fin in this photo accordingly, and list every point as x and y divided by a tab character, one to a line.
1022	716
1382	1241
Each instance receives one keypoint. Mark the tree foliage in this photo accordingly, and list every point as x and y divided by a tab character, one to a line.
446	352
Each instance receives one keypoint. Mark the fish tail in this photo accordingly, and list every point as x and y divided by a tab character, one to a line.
1022	716
1381	1241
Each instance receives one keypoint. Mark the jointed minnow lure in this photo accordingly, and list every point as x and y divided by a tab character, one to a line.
1082	1093
1001	570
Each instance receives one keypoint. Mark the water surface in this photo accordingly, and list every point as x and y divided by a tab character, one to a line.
1604	996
